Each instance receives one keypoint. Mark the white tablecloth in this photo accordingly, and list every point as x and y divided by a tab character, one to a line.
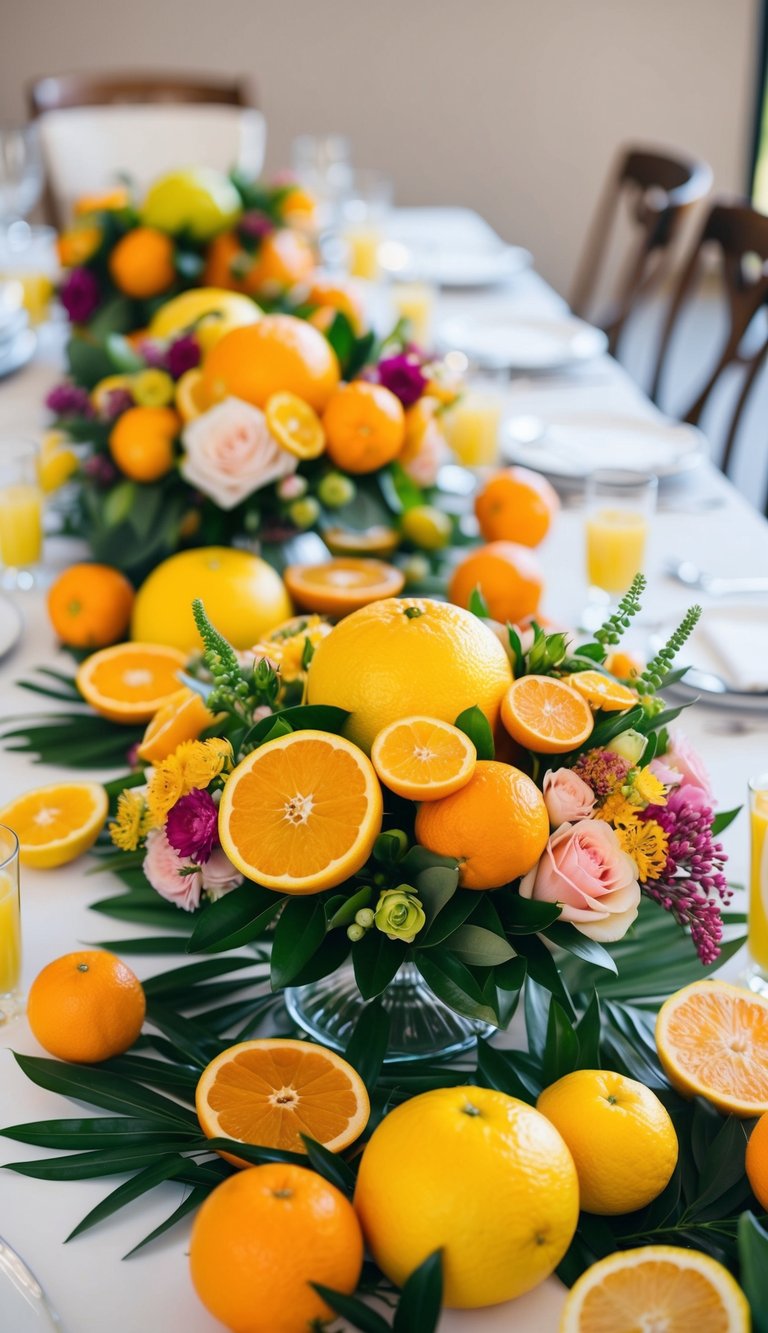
86	1281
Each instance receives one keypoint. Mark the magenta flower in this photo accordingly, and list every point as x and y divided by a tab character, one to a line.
183	355
403	376
115	403
192	826
80	295
154	353
69	400
101	470
255	225
693	885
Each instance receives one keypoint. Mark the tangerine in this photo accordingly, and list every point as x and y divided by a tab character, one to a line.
283	259
142	263
364	425
506	574
279	354
90	605
86	1006
516	505
141	442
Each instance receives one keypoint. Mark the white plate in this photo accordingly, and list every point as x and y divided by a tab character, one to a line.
11	624
526	345
444	266
17	353
23	1304
709	679
570	447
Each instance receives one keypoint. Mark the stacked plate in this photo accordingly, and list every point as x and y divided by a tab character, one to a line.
17	341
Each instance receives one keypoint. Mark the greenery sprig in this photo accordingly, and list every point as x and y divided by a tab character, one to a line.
611	631
652	678
235	691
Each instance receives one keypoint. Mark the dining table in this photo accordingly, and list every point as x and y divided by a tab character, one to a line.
700	517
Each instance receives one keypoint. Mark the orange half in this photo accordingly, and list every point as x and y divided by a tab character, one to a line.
345	584
602	692
130	681
422	758
544	714
712	1040
301	813
57	823
180	719
272	1091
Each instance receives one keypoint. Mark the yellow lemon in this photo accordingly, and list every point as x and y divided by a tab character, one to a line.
56	462
209	312
198	200
478	1174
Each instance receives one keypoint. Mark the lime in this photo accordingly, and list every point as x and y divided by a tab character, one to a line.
427	527
199	201
153	388
336	490
304	512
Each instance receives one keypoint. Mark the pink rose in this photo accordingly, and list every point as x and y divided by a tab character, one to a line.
424	462
219	875
566	796
682	765
163	867
584	868
230	453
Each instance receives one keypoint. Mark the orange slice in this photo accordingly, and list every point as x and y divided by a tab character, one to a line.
376	540
191	398
55	824
712	1040
422	758
301	813
602	692
544	714
180	719
295	425
272	1091
130	681
658	1287
342	585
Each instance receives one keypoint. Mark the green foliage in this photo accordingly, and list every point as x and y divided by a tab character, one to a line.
475	724
652	678
616	624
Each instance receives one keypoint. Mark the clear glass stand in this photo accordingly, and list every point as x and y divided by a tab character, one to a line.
422	1026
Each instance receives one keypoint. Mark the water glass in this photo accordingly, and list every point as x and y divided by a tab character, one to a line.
28	256
21	172
21	513
10	926
321	162
619	507
364	216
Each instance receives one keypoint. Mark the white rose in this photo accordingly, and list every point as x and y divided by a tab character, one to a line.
230	453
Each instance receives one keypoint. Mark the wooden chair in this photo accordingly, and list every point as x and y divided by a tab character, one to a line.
54	92
659	189
738	235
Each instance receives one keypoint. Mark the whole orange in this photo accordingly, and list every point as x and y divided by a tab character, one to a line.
364	426
508	577
496	826
280	354
757	1161
261	1238
334	296
516	505
283	259
86	1006
89	605
141	442
141	263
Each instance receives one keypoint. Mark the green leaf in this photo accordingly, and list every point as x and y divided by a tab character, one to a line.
190	1204
436	886
517	651
99	1087
163	1169
507	1071
190	1037
478	605
418	1309
357	1314
367	1046
543	970
475	724
479	947
376	960
304	717
537	1001
97	1132
723	819
723	1169
180	979
452	915
561	1048
525	916
509	979
345	914
566	936
753	1266
280	727
100	1161
298	935
588	1032
453	983
330	1165
235	919
417	859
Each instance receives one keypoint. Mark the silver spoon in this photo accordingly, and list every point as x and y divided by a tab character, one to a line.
686	572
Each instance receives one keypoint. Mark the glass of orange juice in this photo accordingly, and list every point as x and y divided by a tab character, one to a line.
21	513
364	216
757	929
10	926
619	507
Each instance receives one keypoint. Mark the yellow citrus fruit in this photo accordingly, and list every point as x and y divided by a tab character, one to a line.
141	442
295	425
130	681
301	813
280	354
398	658
660	1287
57	823
181	718
270	1092
286	644
197	200
110	384
427	527
190	399
364	425
620	1136
712	1040
153	387
422	758
478	1174
243	597
379	540
602	692
262	1237
56	462
345	584
142	263
546	715
495	825
86	1006
757	1161
207	312
102	201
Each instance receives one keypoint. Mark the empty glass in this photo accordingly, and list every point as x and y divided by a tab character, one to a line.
322	165
21	513
21	172
10	925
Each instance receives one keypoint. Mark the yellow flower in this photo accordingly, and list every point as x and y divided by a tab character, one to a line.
131	822
614	807
646	842
649	788
202	761
165	787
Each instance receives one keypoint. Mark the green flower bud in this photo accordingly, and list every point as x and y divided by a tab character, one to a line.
336	490
304	512
402	838
415	569
399	914
355	932
364	917
630	745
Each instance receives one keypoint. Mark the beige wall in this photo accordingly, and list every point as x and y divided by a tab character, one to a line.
512	106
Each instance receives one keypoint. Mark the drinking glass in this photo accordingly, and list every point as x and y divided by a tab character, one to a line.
619	507
473	423
21	513
28	257
364	216
757	929
322	165
21	172
414	302
10	926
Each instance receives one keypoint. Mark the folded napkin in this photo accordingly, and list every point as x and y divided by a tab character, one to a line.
737	639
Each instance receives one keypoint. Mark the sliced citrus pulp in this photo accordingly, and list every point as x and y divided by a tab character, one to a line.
191	399
342	585
54	824
301	813
182	717
376	540
545	714
658	1287
295	425
422	758
130	681
272	1091
712	1040
602	692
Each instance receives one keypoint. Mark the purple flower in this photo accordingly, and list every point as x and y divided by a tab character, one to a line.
80	295
69	400
192	826
154	354
255	225
403	376
183	355
693	885
115	403
602	770
101	470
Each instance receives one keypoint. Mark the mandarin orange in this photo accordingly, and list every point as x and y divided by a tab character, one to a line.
283	259
142	263
86	1006
89	605
507	575
141	442
516	505
364	426
280	354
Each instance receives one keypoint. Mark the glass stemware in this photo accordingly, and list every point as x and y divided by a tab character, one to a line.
21	172
620	505
21	513
10	926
